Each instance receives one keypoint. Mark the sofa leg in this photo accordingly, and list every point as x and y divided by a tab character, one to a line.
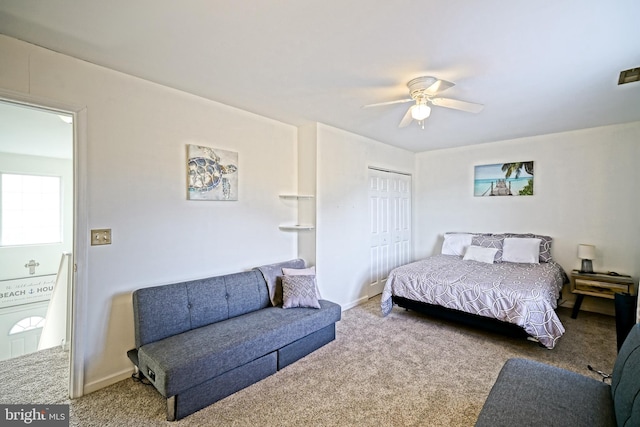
171	408
137	374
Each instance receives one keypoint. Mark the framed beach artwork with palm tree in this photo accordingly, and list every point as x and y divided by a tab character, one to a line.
504	179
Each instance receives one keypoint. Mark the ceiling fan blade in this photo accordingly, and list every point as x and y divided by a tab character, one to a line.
400	101
469	107
406	120
438	86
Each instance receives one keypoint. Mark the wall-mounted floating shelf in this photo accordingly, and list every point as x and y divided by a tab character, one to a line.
297	227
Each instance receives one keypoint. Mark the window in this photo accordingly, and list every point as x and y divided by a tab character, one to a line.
30	210
27	324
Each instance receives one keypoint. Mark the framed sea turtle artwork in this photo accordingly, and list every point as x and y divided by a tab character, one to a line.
212	173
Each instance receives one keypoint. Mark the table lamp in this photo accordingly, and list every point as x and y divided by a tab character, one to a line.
586	253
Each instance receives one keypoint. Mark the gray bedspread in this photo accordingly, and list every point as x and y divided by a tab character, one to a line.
523	294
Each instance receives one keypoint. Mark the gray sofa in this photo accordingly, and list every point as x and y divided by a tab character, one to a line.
200	341
529	393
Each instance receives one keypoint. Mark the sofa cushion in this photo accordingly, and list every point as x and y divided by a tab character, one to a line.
205	297
195	303
625	383
182	361
530	393
246	292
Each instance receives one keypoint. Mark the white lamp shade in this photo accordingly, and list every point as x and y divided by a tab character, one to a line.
586	251
420	112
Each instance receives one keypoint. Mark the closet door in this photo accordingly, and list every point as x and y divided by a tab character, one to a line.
390	222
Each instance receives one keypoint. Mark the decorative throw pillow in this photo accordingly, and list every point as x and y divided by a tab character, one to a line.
478	253
521	249
299	291
456	243
494	241
310	271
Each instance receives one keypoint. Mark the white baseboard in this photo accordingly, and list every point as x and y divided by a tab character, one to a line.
354	303
107	381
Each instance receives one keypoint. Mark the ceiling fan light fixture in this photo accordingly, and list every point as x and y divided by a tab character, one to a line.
425	91
420	112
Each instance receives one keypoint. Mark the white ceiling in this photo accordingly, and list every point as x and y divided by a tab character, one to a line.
538	66
34	132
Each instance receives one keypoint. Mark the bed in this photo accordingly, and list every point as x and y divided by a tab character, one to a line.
481	278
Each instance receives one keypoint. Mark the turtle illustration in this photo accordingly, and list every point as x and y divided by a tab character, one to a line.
206	173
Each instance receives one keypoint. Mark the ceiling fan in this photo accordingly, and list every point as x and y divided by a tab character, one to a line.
423	91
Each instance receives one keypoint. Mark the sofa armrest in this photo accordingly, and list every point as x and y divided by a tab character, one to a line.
530	393
625	384
133	356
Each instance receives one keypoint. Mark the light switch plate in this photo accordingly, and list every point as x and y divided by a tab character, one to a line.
101	237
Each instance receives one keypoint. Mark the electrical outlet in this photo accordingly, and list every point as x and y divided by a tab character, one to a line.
101	237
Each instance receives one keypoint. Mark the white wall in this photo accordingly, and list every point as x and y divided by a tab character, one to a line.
307	185
342	211
585	191
137	134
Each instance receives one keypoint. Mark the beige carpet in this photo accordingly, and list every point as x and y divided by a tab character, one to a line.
405	369
41	377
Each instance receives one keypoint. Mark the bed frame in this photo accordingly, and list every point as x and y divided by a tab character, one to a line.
468	319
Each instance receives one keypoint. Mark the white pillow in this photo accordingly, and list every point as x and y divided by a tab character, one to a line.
478	253
310	271
456	243
519	249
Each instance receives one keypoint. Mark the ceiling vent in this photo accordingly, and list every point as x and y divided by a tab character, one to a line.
629	76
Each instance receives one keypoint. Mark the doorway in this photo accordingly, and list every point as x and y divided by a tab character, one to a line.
36	228
390	220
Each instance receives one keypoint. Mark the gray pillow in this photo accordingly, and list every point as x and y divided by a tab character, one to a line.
299	291
272	273
494	241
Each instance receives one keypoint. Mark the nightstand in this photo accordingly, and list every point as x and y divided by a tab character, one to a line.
598	285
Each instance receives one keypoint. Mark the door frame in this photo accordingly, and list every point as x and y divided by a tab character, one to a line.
80	229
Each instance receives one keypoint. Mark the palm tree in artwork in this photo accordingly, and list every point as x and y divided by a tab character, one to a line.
517	167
